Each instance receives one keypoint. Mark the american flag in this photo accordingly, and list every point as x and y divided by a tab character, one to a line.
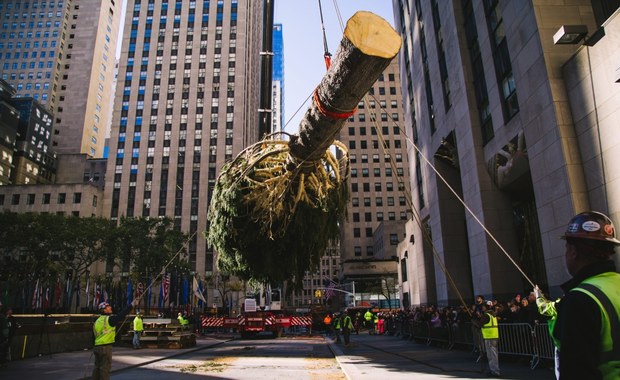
166	285
329	292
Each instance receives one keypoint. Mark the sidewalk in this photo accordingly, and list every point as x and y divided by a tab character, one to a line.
79	364
387	357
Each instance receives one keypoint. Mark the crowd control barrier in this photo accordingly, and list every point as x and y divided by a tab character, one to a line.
516	339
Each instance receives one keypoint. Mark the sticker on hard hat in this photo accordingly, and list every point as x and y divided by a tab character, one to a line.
609	229
572	228
591	226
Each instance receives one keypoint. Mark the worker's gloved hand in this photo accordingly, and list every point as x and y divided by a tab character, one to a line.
537	292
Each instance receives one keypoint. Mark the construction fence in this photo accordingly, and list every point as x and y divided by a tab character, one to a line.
516	339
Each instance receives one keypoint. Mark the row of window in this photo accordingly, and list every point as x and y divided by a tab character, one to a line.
355	202
34	4
377	172
375	144
373	117
30	25
379	216
46	198
398	157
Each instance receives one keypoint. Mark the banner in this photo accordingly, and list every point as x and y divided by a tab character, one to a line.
198	292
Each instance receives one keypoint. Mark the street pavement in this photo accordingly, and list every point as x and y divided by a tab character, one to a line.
387	357
368	356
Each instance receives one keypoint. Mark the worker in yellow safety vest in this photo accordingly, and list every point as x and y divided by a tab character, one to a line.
105	336
487	322
588	323
138	329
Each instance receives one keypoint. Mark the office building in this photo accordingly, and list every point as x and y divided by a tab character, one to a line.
62	54
379	181
511	136
187	101
277	102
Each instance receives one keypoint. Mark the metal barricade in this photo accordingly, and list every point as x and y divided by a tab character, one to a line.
543	344
421	332
518	339
440	335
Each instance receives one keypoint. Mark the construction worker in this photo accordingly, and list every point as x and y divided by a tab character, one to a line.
138	329
182	321
549	309
368	320
327	321
588	315
337	326
487	322
105	336
347	327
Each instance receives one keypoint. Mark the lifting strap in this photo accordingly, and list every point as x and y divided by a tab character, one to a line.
326	55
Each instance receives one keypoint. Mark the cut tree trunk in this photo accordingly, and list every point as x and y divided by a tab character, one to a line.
278	204
368	46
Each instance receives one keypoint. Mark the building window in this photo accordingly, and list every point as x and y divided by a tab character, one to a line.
62	197
393	239
30	199
46	198
357	250
15	199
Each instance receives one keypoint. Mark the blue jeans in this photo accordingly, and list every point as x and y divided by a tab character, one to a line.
136	339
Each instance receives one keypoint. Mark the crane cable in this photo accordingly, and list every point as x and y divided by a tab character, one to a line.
326	54
456	195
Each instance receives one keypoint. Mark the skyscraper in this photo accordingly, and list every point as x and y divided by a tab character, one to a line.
187	101
512	134
277	103
379	180
62	54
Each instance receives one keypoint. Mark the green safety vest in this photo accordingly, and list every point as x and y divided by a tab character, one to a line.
603	289
368	316
336	323
137	324
490	330
182	320
104	333
346	323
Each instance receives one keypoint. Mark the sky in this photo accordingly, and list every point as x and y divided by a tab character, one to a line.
304	66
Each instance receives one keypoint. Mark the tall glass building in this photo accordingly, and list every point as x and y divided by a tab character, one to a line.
62	54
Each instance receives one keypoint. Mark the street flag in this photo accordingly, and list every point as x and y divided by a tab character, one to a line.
88	291
129	292
198	291
97	297
329	292
35	295
166	286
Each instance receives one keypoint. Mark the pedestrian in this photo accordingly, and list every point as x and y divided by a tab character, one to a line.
105	336
12	326
588	324
327	321
138	329
347	327
4	337
487	322
337	326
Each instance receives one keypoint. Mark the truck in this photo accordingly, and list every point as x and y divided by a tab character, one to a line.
254	321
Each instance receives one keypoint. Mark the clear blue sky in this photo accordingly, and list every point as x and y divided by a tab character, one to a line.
304	66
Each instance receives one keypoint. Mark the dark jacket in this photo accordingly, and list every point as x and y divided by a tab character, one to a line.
578	327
